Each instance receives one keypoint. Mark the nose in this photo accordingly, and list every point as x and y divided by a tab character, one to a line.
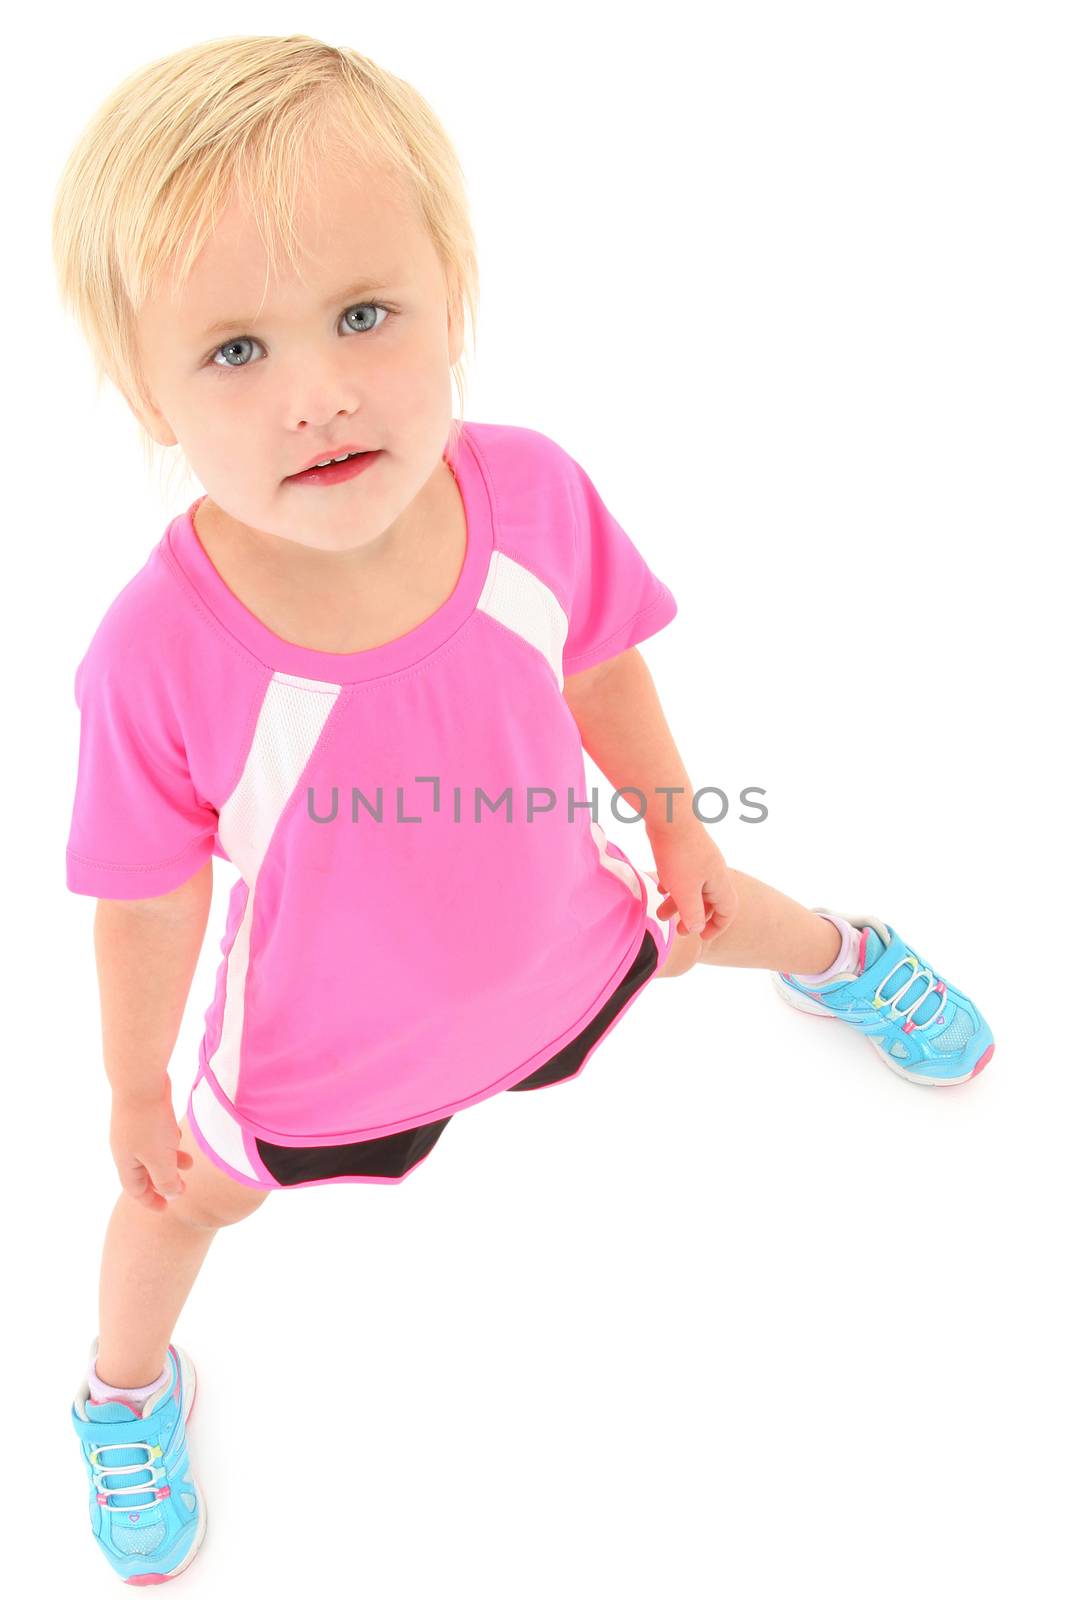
322	394
320	419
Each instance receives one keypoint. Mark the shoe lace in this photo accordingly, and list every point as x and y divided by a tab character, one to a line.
156	1487
916	972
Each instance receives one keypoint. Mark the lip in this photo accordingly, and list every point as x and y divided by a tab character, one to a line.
321	478
334	450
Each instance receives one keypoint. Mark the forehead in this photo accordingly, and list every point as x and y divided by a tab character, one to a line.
349	224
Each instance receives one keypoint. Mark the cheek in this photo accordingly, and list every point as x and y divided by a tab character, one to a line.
235	422
228	447
410	389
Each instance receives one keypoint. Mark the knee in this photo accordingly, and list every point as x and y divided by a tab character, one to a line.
211	1199
211	1213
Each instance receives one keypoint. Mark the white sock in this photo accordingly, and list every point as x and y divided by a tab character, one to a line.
100	1392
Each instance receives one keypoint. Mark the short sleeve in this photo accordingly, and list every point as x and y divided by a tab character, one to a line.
617	600
139	828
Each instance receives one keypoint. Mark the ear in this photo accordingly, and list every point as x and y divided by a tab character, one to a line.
151	418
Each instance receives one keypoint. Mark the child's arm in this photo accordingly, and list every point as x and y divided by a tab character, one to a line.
146	955
623	728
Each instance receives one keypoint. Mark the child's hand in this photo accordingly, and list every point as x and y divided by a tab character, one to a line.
145	1141
693	874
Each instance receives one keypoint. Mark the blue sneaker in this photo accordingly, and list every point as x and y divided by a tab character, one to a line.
147	1513
922	1027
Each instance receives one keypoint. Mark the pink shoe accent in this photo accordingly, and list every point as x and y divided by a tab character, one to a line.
863	952
983	1063
909	1027
196	1391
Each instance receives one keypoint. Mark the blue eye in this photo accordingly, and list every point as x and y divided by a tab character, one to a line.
231	344
368	307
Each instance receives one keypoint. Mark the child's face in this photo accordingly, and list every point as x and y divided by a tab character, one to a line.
317	371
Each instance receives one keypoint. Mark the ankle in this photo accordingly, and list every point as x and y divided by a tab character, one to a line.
846	941
822	946
128	1376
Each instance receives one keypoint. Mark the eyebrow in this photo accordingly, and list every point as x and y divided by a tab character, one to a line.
362	287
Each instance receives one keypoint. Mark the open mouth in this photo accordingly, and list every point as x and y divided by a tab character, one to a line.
335	471
337	461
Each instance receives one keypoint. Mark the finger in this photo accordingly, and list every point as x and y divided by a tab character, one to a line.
135	1180
727	907
717	923
167	1182
694	916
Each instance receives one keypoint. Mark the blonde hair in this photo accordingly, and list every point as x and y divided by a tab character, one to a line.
177	139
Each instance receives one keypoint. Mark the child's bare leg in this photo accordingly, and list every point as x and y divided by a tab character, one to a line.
150	1262
769	930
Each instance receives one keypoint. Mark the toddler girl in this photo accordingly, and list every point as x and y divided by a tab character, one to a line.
362	667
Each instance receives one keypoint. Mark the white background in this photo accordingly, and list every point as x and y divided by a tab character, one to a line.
738	1312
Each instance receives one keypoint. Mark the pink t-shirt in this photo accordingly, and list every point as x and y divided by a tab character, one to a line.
426	909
